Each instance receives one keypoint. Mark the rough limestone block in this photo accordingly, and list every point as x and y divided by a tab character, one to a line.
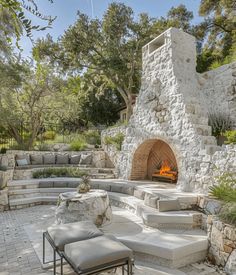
151	200
168	205
231	263
4	200
139	194
93	206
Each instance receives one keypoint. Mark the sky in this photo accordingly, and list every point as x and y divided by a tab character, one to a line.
66	11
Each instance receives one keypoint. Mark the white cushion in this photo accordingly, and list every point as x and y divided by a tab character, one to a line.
72	232
21	162
97	251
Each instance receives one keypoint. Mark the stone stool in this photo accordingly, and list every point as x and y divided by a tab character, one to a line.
60	235
97	255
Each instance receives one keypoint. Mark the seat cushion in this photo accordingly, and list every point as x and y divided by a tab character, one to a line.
62	159
72	232
73	184
95	252
46	184
86	159
24	157
49	159
36	159
74	159
60	184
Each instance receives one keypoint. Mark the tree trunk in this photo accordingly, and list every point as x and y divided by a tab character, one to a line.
128	102
129	108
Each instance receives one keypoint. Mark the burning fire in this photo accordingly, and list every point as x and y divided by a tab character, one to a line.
166	170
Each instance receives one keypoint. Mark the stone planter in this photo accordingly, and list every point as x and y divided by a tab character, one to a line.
222	238
4	200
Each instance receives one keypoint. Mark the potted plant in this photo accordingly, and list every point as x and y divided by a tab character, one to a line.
84	186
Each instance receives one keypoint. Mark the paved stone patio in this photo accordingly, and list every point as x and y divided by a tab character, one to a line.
18	257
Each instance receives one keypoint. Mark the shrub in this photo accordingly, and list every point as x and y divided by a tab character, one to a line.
116	140
49	135
78	144
231	137
220	122
228	213
43	147
58	172
226	192
92	137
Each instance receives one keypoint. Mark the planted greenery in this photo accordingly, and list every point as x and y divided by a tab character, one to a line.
116	140
78	144
92	137
59	172
49	135
226	192
231	137
220	123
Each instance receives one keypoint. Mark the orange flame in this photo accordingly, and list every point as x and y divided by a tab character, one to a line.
166	170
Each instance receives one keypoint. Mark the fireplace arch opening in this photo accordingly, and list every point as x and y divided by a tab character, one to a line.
154	160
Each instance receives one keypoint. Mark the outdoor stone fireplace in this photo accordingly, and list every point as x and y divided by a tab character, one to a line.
154	159
170	118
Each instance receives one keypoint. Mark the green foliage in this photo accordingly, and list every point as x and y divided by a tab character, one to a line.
42	147
92	137
78	144
231	137
49	135
19	22
116	140
58	172
220	122
228	213
225	191
219	33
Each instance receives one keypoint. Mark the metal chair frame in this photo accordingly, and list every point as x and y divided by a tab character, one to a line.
114	264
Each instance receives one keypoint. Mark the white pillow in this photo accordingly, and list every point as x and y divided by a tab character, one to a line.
21	162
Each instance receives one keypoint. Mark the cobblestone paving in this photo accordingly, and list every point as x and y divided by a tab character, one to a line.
17	256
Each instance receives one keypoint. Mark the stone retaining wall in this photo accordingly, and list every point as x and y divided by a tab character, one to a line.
218	90
113	154
215	165
222	239
4	200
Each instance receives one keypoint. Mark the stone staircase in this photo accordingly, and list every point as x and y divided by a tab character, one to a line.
170	239
200	122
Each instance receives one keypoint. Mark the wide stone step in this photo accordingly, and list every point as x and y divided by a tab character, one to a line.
27	202
210	150
172	219
193	109
203	130
198	119
208	140
166	249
